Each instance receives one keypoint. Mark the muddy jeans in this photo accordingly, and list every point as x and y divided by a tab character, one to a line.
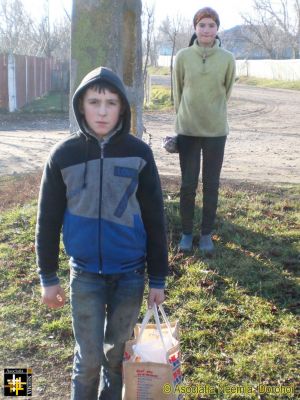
105	310
190	149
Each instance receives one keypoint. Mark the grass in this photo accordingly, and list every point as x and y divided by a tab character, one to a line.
160	98
161	95
32	336
238	310
54	102
158	70
16	190
269	83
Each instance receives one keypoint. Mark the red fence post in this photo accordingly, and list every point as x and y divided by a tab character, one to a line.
3	82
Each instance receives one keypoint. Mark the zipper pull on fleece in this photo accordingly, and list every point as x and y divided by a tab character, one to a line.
102	144
204	58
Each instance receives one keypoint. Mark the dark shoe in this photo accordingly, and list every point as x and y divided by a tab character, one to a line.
186	242
206	245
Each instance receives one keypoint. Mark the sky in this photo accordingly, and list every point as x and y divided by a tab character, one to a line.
56	8
228	10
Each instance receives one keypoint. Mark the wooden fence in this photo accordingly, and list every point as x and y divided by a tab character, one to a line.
24	78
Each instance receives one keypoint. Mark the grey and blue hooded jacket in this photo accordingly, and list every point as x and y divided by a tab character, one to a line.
105	197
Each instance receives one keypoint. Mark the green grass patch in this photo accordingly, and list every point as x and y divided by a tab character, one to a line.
160	98
238	310
54	102
158	70
269	83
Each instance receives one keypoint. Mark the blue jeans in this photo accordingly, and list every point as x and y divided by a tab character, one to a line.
105	310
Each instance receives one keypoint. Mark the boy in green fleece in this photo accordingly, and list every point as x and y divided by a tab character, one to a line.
203	78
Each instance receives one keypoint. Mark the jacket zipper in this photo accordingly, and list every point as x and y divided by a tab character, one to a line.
204	56
100	204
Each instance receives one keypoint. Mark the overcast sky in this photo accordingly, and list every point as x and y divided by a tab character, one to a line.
228	10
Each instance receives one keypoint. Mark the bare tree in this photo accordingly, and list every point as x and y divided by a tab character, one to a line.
20	34
54	42
287	18
61	39
275	26
184	35
148	22
15	27
262	35
154	50
171	30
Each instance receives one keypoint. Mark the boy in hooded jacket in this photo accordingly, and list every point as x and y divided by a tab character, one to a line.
101	187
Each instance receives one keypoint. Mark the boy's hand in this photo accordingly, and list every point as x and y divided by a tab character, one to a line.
155	296
53	296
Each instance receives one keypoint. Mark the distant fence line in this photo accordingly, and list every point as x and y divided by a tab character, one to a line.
288	70
24	78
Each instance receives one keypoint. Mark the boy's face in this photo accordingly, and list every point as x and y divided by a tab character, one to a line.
101	110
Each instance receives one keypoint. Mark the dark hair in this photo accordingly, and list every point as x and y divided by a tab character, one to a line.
192	39
194	36
101	87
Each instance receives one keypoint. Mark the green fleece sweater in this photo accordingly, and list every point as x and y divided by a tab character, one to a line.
203	80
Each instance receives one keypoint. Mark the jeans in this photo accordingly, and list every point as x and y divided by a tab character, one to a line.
190	149
105	310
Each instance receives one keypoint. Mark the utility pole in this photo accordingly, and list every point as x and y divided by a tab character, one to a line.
48	47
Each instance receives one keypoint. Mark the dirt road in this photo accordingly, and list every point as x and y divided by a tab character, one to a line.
263	145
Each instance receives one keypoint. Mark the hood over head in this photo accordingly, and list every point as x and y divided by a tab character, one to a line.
102	75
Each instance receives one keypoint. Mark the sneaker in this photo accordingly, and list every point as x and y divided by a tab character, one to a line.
186	242
206	244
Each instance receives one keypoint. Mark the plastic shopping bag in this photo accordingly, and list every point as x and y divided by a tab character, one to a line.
156	343
147	379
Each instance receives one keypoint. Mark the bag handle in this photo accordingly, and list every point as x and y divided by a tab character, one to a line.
151	312
166	321
154	312
162	311
145	321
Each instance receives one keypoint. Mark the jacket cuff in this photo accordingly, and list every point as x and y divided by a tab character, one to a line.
49	280
156	282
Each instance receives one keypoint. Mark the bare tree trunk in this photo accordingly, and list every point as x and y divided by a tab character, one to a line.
149	15
171	29
171	71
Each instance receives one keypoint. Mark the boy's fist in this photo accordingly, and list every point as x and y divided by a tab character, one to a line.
53	296
155	296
